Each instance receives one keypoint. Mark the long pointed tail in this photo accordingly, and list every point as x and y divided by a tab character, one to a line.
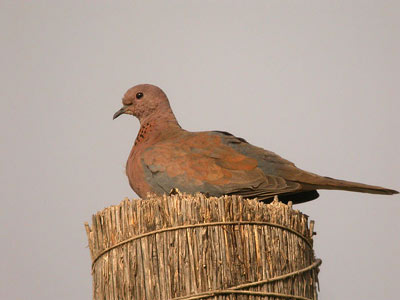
336	184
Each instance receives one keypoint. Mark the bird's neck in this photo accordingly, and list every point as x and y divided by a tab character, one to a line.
157	127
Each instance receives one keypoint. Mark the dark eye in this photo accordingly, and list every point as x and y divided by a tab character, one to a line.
139	95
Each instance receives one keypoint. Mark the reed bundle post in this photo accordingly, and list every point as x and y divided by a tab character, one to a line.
192	247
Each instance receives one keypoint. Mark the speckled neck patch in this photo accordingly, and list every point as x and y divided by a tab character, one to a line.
143	133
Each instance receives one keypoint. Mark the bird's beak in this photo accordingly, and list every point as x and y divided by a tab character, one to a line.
120	112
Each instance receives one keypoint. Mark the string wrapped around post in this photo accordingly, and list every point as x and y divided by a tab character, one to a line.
183	247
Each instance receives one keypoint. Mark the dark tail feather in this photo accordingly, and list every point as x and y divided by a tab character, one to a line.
335	184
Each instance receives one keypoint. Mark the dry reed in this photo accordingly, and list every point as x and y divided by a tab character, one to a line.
194	247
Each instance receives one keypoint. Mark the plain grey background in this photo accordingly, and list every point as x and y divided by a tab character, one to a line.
316	81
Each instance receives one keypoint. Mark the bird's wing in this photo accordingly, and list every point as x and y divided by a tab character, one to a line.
269	162
274	165
204	162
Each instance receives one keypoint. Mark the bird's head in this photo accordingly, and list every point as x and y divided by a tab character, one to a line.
143	101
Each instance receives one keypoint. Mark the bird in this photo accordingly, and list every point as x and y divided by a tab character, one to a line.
166	157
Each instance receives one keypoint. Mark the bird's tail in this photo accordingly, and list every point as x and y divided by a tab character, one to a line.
336	184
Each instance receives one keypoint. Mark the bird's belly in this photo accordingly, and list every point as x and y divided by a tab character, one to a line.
136	177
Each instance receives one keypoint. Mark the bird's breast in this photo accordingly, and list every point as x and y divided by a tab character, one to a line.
136	174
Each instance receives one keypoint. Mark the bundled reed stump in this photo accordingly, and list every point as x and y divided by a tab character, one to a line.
194	247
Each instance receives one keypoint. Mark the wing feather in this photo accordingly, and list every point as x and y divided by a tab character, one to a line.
202	162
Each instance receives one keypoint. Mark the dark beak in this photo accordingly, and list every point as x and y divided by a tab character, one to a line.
120	112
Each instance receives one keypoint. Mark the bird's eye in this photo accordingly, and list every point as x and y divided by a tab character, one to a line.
139	95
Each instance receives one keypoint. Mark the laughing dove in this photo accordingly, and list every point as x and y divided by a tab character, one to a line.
165	156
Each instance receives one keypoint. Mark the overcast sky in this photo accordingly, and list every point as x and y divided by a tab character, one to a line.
317	82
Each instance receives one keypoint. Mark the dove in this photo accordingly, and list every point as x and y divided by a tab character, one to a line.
166	157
